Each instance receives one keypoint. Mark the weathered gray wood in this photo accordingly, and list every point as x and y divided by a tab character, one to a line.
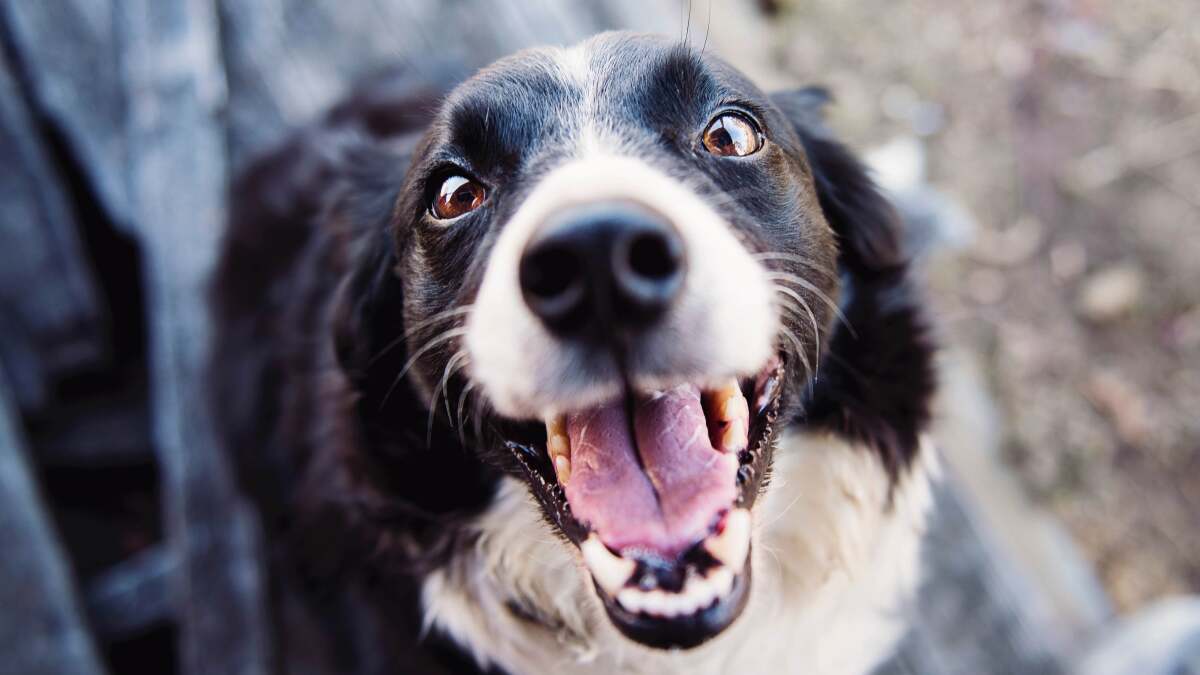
178	178
69	51
289	60
41	628
113	431
47	299
969	615
1163	638
133	596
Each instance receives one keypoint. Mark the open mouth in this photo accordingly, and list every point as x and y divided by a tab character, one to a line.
657	493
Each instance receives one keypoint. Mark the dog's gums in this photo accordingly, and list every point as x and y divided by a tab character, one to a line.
662	522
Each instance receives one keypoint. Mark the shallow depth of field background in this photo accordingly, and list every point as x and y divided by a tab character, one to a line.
1044	153
1070	133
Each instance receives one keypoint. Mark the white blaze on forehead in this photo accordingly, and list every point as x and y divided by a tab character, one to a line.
723	323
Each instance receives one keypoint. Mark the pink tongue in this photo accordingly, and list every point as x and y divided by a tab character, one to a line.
673	503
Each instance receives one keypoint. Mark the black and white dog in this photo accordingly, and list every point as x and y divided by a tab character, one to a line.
604	362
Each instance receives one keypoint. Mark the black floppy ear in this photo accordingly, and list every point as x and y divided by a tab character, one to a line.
866	225
368	308
876	383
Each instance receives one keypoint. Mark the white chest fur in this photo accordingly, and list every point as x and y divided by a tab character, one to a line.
833	565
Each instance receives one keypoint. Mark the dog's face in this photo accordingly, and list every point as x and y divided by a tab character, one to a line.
617	277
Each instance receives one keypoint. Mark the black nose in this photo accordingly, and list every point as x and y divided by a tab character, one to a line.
606	266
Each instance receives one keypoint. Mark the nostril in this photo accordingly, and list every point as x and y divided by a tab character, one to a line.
551	278
549	273
653	257
602	267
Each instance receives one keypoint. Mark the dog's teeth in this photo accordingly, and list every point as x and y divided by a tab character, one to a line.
729	417
609	570
631	599
733	439
693	596
731	546
559	447
657	602
562	468
734	406
721	581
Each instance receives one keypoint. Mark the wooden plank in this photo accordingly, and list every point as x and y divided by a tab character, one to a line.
178	177
41	628
69	52
133	596
113	430
970	616
48	303
288	61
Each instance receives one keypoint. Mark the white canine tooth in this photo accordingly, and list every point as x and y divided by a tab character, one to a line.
722	581
562	468
556	426
700	592
670	605
610	571
631	600
731	546
656	602
733	439
693	602
735	407
559	447
729	403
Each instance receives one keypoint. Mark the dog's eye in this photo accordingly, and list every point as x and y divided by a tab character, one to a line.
732	135
457	196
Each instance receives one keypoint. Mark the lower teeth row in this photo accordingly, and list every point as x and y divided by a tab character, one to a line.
699	592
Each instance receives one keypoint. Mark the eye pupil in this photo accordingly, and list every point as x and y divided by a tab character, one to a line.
732	135
722	140
457	196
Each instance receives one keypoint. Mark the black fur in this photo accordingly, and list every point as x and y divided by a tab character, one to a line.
326	268
878	379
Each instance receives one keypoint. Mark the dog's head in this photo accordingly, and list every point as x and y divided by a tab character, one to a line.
619	268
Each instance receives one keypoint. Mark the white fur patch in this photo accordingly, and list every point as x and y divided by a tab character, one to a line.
833	566
722	325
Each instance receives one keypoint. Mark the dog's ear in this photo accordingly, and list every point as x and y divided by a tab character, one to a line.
877	381
367	308
866	225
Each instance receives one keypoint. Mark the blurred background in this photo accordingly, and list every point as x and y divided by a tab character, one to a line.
1045	156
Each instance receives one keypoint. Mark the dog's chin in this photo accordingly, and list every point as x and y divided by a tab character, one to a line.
656	491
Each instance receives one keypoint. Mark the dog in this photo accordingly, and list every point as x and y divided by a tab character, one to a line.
600	361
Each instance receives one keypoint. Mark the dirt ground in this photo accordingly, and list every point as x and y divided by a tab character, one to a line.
1070	130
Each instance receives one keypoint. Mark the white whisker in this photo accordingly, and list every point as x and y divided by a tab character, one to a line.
453	364
440	316
808	310
799	260
809	286
439	339
462	400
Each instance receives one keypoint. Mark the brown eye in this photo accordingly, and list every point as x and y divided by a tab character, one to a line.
457	196
732	135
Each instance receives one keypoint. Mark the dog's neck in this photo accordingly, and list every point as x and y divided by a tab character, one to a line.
835	556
